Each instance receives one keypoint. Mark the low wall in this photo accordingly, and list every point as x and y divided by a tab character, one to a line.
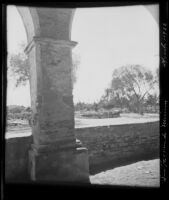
112	146
108	147
16	158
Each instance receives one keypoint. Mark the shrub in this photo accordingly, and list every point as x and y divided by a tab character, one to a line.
18	112
15	109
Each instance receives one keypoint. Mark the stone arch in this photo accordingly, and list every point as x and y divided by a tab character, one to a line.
31	21
48	33
54	151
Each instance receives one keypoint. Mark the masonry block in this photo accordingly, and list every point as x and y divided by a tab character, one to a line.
61	166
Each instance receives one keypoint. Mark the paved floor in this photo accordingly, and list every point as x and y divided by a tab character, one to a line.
144	173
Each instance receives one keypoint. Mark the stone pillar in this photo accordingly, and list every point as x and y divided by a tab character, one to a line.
55	154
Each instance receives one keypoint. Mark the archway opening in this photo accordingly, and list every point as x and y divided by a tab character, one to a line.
109	38
18	87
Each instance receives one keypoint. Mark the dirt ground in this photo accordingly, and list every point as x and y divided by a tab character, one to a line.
142	174
129	118
124	119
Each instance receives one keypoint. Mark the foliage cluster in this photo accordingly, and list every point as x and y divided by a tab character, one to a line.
18	112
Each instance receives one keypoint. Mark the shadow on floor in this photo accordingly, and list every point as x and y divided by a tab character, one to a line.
109	165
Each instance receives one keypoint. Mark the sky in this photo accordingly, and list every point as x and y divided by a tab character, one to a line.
107	38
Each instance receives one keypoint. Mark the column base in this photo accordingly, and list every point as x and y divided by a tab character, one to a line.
59	166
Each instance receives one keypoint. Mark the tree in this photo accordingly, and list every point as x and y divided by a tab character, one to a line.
95	106
134	83
15	109
19	67
152	101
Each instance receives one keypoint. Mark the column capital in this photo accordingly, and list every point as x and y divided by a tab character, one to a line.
52	42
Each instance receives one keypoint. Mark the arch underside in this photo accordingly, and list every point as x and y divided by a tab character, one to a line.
52	23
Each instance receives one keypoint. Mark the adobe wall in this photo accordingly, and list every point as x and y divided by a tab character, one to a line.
112	146
16	158
108	147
